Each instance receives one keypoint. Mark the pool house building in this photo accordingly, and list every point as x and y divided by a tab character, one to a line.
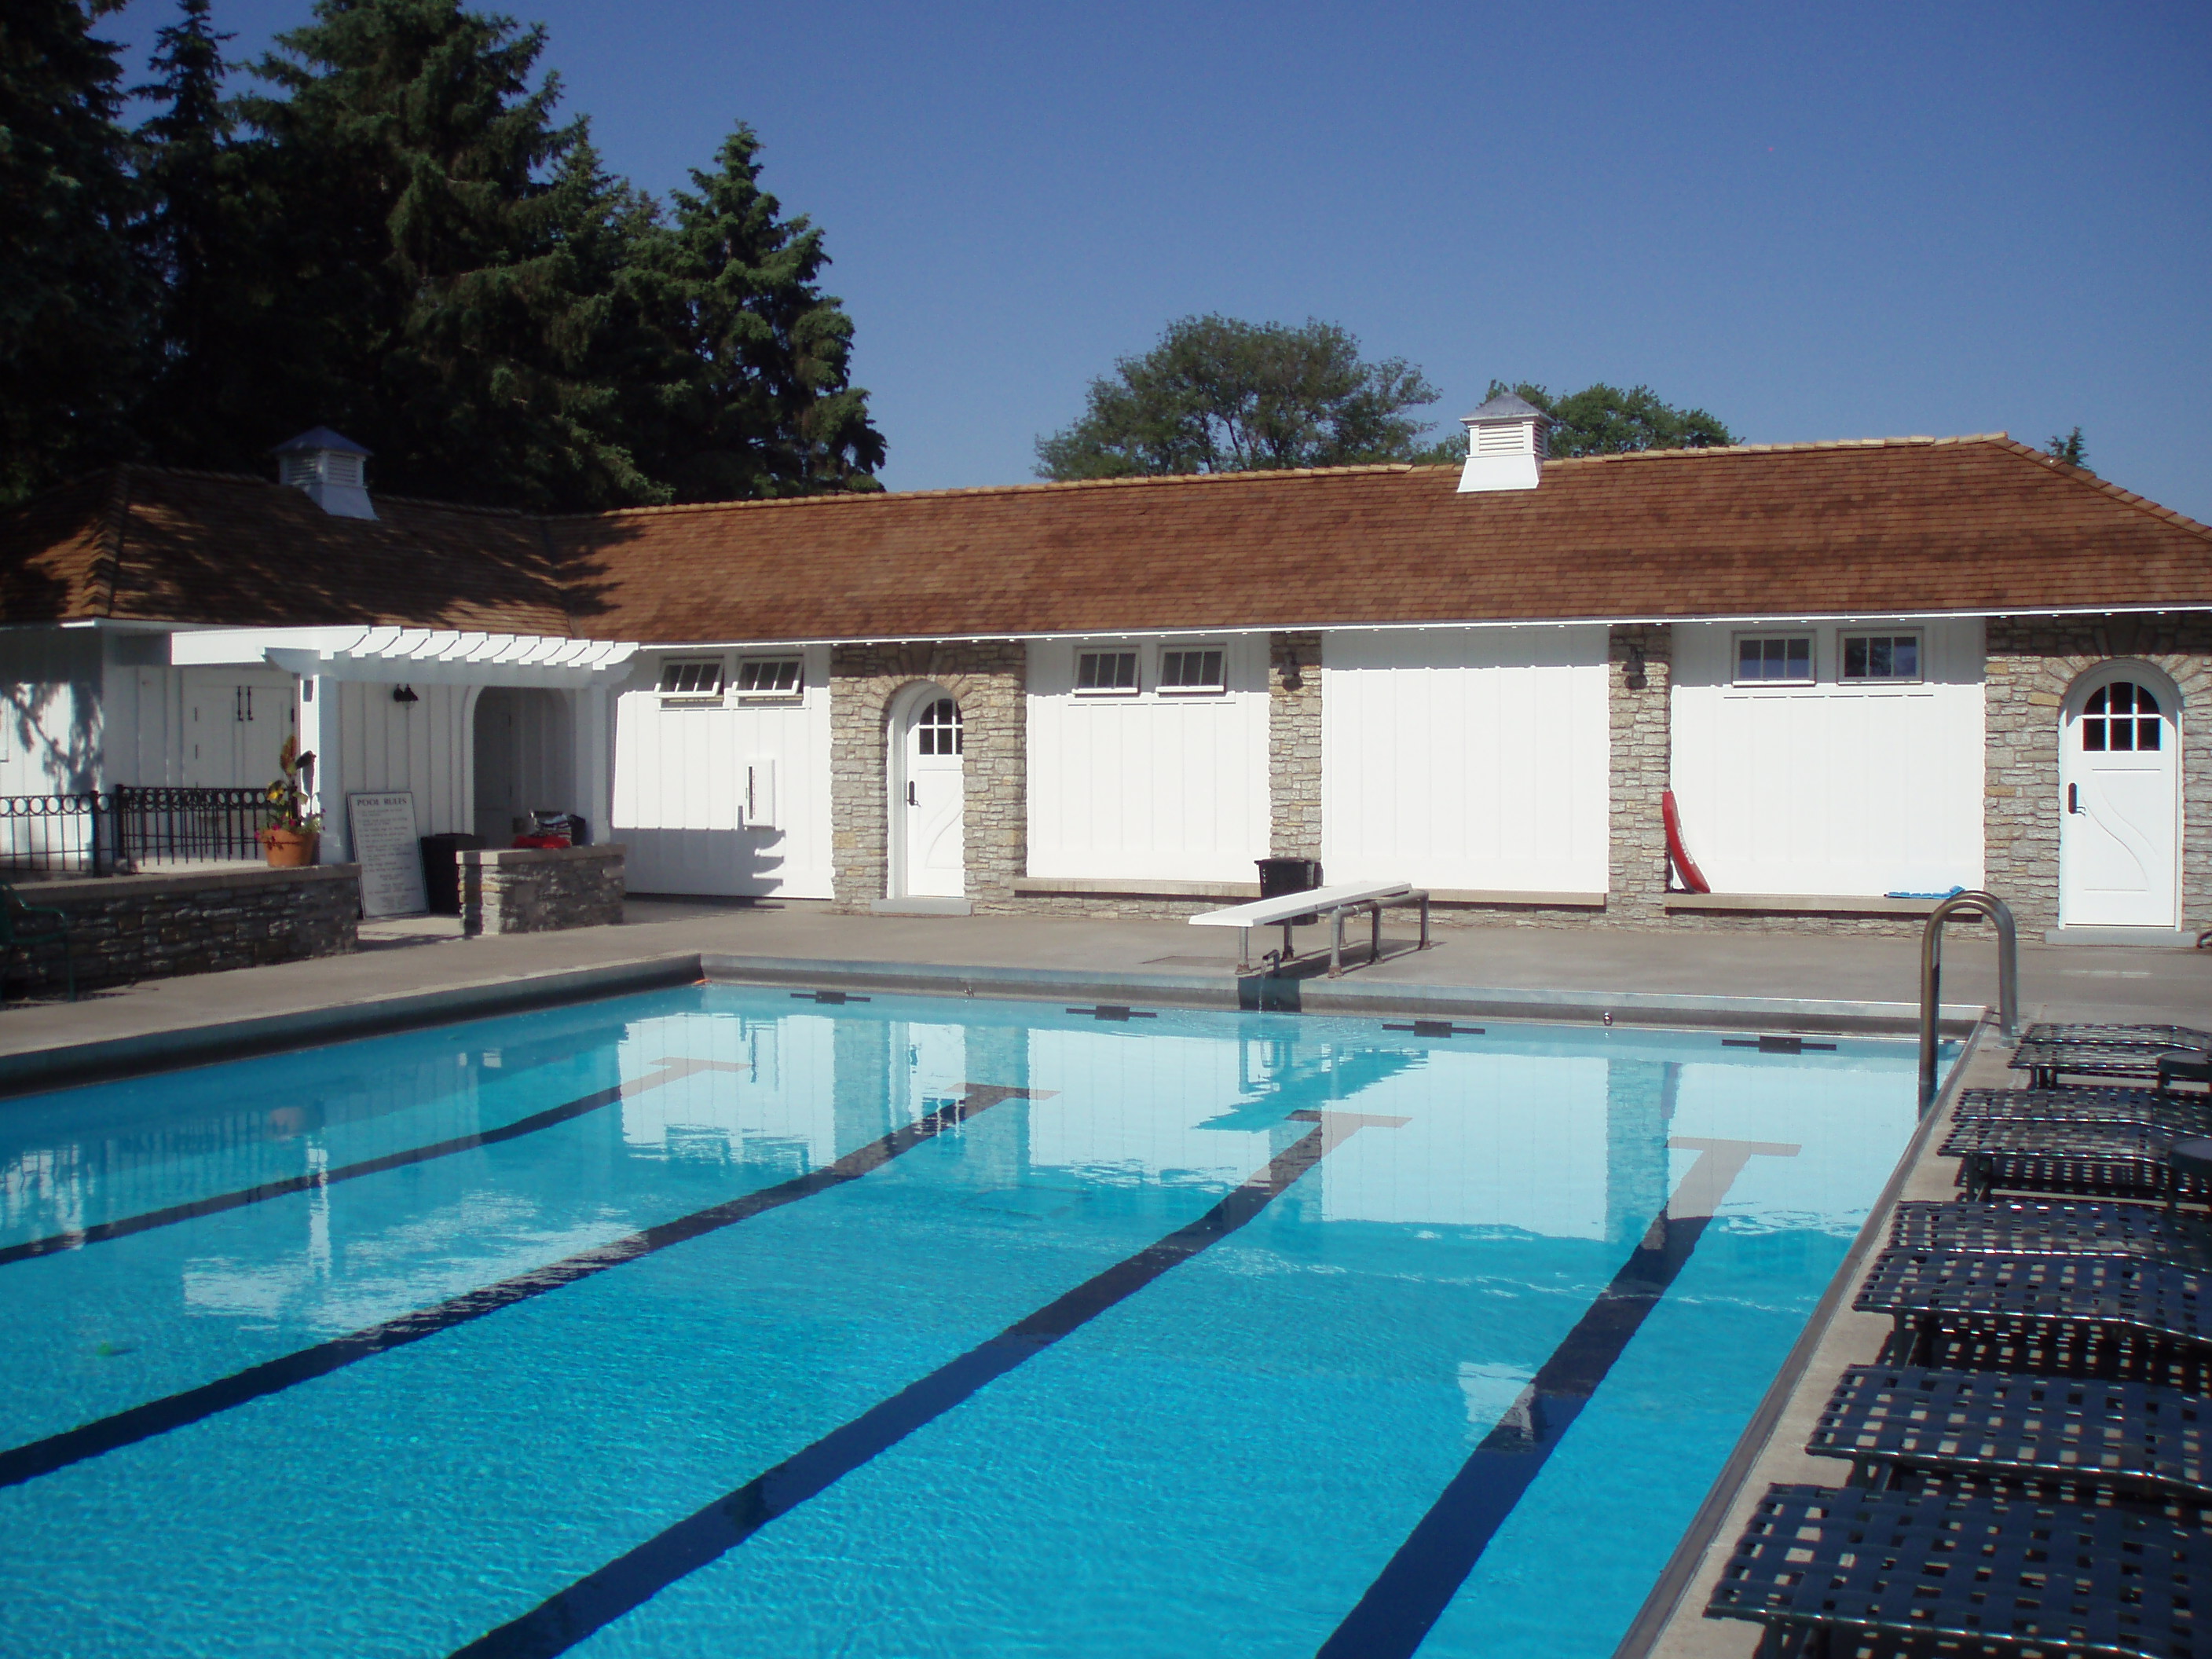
1865	673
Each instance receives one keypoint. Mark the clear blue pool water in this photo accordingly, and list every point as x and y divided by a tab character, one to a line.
1221	1451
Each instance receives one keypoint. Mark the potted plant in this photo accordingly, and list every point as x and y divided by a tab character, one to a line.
289	840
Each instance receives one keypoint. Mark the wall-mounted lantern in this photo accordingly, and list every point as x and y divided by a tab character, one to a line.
404	694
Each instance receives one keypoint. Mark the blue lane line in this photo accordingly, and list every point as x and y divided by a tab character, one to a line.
567	1616
125	1428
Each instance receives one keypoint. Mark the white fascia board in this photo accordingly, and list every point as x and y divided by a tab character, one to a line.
1763	618
396	656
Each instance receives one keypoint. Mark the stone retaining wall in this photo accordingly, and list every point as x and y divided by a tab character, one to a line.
155	927
541	889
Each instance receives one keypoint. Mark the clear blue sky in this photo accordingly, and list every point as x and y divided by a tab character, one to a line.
1832	221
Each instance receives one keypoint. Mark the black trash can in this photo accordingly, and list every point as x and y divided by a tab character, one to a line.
442	870
1281	876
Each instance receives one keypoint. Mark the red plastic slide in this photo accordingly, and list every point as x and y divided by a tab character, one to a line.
1693	880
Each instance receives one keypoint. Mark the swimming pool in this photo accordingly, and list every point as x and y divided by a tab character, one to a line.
725	1320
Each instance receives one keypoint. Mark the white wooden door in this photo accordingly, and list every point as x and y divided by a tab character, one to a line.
2118	826
235	721
935	808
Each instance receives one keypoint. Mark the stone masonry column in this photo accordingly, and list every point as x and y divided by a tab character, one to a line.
1639	674
1294	745
989	680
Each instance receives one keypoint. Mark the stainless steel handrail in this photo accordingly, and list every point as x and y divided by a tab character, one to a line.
1931	976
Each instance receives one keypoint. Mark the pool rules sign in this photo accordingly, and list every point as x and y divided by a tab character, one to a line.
391	858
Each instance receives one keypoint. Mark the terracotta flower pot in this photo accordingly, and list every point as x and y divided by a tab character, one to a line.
289	849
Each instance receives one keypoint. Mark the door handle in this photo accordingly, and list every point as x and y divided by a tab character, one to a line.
910	798
2073	797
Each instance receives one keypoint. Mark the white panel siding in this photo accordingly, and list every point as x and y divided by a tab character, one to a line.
680	790
422	747
1148	787
1466	757
1827	788
50	711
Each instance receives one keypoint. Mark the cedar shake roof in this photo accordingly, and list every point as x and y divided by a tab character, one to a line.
1967	525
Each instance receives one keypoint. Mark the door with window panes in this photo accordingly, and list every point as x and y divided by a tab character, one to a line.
2119	826
934	809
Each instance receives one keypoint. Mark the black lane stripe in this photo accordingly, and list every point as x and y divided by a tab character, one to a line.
1417	1582
568	1616
125	1428
77	1238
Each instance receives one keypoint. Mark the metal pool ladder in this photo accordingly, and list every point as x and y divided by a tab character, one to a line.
1974	905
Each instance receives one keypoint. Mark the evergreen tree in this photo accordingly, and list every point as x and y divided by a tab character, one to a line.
760	401
2072	449
70	293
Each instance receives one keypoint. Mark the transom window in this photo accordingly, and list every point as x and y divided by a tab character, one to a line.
1881	657
2122	715
937	731
1192	669
771	676
698	679
1106	673
1765	659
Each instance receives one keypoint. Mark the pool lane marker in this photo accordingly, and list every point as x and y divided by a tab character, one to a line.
125	1428
567	1616
1417	1582
667	1071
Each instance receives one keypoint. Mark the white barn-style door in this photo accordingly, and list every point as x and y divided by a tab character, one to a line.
933	808
2120	823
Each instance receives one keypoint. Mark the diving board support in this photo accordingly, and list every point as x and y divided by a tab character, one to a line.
1288	909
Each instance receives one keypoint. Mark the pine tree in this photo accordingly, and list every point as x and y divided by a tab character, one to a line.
761	402
70	291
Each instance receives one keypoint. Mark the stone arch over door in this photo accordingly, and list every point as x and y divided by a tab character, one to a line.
2120	777
2033	666
869	687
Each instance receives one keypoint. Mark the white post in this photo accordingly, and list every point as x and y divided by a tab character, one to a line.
592	763
319	735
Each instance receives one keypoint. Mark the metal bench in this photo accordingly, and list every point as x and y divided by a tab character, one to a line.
1954	1564
2024	1226
2128	1438
2097	1160
1334	902
2095	1308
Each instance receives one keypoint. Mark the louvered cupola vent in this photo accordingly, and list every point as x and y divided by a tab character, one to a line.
1508	441
327	467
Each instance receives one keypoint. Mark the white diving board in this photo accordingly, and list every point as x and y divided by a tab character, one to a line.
1286	909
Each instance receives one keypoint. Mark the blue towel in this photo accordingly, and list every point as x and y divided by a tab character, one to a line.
1953	893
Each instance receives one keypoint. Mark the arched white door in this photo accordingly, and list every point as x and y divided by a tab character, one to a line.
932	804
2120	818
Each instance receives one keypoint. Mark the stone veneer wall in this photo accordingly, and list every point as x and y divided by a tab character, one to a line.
1294	693
2033	664
541	889
989	680
1639	681
203	922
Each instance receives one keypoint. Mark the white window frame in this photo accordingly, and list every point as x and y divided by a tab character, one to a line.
1844	651
1136	673
794	693
1218	686
693	699
1812	654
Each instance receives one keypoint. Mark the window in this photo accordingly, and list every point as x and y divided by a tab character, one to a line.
938	731
1881	657
1106	673
771	676
1192	671
698	679
2122	716
1765	659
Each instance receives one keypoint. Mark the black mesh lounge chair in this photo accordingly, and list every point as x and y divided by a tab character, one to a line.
2127	1439
2046	1062
2179	1115
2098	1160
2084	1316
1962	1570
2028	1226
22	926
2139	1036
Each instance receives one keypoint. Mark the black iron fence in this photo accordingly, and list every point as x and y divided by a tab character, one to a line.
129	828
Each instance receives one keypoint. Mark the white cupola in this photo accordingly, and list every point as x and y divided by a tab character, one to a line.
1508	441
328	467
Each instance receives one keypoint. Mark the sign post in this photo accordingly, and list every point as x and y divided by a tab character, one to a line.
391	858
